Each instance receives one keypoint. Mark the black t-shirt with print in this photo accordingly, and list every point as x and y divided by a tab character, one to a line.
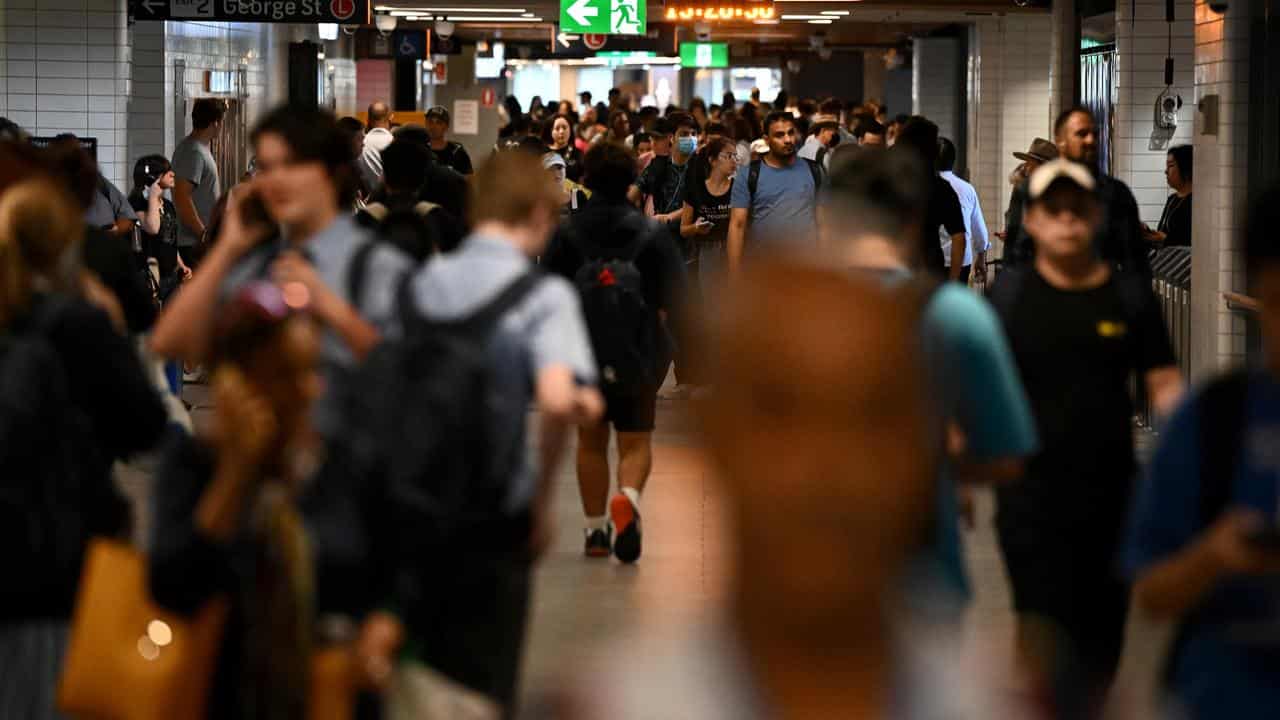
454	156
163	246
715	208
572	162
667	182
1077	351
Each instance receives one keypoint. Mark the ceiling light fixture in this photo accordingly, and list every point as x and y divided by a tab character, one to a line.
821	22
806	17
528	15
480	18
835	12
421	10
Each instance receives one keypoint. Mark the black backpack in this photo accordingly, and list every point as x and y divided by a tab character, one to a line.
1222	406
417	421
622	325
407	228
47	457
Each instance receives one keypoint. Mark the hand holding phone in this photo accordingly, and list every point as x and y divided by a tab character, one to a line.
704	225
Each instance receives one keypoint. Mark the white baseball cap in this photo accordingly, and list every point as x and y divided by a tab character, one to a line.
1059	169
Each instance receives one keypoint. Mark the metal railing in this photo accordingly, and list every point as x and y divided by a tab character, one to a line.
1171	282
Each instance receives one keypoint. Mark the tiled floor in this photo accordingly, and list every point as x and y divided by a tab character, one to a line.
582	604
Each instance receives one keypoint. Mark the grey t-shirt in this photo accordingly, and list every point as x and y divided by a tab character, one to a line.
109	205
545	329
193	162
331	252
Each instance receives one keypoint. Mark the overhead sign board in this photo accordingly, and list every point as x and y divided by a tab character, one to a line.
603	17
704	55
350	12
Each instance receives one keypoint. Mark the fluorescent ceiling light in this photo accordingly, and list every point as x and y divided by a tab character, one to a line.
806	17
821	22
411	18
424	10
528	15
835	12
481	18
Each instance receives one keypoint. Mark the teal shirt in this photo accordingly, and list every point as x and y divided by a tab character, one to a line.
976	382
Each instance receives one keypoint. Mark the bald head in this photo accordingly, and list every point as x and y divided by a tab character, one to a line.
820	428
379	115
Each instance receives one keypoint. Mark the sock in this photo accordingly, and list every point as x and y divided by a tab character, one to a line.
633	495
596	523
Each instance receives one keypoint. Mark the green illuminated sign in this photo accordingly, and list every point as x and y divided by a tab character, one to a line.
704	55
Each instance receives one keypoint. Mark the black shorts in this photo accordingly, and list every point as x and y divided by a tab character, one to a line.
631	412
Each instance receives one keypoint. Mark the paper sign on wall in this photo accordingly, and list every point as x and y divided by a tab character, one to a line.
466	117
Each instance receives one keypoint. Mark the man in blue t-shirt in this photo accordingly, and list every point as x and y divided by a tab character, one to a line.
873	200
1203	545
782	207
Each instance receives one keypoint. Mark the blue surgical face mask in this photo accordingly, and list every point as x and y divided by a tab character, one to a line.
686	145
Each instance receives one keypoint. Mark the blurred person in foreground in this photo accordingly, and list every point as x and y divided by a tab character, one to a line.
240	513
107	254
1202	546
286	225
463	640
73	399
826	452
1081	332
872	213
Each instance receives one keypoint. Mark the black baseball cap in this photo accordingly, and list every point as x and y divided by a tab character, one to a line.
438	113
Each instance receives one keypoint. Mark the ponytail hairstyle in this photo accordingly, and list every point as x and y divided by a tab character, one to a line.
40	230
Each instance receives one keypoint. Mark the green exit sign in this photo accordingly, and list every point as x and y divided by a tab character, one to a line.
603	17
704	55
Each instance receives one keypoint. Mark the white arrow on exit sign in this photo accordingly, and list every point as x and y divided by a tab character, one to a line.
151	5
582	11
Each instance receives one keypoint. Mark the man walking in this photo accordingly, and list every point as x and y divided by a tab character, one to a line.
198	187
776	195
977	241
1080	332
630	275
824	135
376	139
666	179
1120	231
446	151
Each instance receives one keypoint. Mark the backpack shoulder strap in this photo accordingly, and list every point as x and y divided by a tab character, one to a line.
815	169
753	179
1221	435
488	315
358	270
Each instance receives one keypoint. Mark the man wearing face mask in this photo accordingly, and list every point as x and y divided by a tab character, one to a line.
666	179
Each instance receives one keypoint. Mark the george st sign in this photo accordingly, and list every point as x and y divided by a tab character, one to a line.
350	12
603	17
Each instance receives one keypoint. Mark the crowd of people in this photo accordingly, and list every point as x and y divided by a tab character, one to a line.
374	315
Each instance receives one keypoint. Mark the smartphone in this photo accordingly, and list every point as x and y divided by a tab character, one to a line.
253	212
1266	538
703	222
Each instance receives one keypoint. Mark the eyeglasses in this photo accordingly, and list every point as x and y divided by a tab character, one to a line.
726	156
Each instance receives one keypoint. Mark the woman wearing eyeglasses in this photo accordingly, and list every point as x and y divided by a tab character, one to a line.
704	225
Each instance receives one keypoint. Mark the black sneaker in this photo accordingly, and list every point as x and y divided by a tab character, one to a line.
597	544
626	523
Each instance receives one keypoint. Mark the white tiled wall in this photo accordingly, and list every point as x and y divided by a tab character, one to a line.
1141	48
1222	162
1008	103
66	68
935	83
